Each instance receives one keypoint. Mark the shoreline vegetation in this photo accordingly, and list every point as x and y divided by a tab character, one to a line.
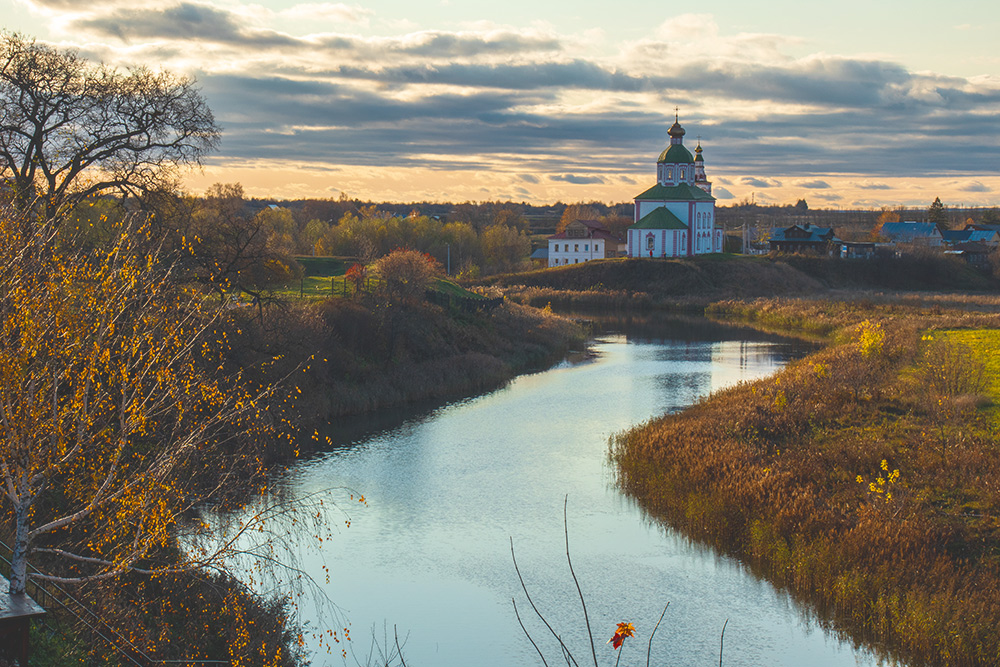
864	478
345	357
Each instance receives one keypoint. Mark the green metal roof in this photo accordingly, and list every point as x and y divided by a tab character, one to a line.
676	153
681	192
659	218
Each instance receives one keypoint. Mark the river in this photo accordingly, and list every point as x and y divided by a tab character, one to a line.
447	489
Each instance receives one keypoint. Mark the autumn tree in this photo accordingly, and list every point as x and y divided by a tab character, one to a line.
616	224
886	214
229	248
110	401
70	129
579	211
406	275
504	248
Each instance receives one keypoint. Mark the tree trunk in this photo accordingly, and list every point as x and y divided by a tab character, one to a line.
19	560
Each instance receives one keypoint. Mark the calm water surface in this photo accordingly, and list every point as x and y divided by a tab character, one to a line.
447	490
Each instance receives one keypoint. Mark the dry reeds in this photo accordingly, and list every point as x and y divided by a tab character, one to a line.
795	475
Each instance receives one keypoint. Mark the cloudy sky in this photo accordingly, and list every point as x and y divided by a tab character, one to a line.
845	103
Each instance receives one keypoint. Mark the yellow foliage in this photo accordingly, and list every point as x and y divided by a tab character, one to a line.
108	395
870	338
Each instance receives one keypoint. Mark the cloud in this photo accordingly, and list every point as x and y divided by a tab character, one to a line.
528	178
974	186
577	180
722	193
627	180
872	185
760	182
816	184
183	21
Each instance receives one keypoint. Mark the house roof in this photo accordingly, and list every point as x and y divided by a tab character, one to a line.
908	231
540	253
814	234
595	230
659	218
984	227
970	235
681	192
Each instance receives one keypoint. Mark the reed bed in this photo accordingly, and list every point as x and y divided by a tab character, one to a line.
865	479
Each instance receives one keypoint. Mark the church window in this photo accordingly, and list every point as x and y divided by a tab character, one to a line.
670	173
650	242
682	174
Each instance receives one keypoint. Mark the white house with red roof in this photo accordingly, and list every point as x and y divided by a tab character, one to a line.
676	217
582	241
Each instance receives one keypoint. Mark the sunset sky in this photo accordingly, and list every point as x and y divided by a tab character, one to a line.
848	104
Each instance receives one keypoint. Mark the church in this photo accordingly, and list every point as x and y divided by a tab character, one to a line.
676	217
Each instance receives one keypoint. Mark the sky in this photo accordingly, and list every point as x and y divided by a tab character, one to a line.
846	104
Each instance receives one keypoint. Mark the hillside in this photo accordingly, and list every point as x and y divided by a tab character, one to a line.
700	280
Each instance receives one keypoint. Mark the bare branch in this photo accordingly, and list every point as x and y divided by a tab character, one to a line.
532	603
583	602
649	649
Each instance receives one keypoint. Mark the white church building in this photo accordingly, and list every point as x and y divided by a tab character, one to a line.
676	217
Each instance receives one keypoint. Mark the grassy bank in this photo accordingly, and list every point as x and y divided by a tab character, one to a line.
349	356
697	281
865	479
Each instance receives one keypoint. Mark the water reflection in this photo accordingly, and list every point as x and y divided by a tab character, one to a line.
449	487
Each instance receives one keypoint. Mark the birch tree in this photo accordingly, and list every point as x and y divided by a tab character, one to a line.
112	402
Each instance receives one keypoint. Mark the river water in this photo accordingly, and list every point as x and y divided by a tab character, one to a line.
447	490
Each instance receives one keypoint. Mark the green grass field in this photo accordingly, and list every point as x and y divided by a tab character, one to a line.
985	346
323	287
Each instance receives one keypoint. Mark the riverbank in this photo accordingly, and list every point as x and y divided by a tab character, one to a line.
864	478
346	357
691	284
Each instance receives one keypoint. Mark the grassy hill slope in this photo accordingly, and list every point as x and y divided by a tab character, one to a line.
703	279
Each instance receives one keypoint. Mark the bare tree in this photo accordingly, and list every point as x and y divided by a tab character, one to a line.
228	248
62	117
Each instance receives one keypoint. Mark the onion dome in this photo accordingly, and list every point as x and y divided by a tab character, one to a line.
675	152
697	154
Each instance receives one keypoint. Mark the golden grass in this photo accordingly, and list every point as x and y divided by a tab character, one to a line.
796	475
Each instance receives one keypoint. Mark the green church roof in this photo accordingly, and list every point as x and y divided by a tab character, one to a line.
681	192
659	218
676	153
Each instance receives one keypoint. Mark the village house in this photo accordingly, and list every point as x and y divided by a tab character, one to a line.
676	217
803	238
912	233
582	241
986	237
